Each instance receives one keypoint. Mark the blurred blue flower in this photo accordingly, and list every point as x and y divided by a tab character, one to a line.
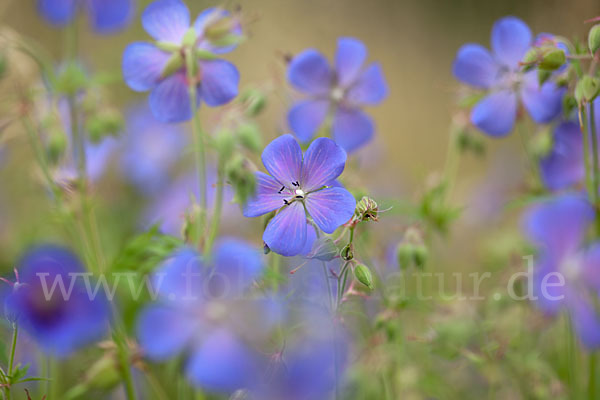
149	67
500	74
150	148
300	187
106	16
202	314
52	303
341	91
558	227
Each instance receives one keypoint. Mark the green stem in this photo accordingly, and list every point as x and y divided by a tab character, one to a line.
40	156
11	361
54	384
218	208
586	152
592	377
120	340
595	167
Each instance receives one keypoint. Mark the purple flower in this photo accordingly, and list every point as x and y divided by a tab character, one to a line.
500	74
51	302
300	187
567	275
106	16
340	92
149	150
202	314
160	67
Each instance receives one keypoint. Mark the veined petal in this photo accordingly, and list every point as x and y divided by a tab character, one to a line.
543	103
564	166
170	101
306	117
283	159
349	58
57	12
219	83
370	88
166	20
323	162
286	232
309	72
266	198
108	16
330	208
142	65
496	113
475	66
511	38
163	332
352	128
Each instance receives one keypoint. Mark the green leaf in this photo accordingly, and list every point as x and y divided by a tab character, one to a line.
594	39
19	374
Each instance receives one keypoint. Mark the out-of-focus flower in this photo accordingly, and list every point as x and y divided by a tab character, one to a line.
564	165
202	312
339	92
500	74
567	274
300	188
52	303
161	67
106	16
150	148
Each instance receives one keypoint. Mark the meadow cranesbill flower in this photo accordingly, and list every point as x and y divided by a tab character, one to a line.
567	273
51	302
499	73
149	150
300	187
339	92
106	16
161	67
202	314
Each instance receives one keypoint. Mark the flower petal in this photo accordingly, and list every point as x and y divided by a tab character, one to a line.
349	58
142	65
511	38
57	12
283	159
166	20
179	279
591	267
306	117
323	162
236	266
559	225
286	232
549	295
309	72
108	16
169	101
475	66
163	332
370	88
586	320
211	15
223	364
266	198
352	128
496	113
219	83
330	208
543	103
564	166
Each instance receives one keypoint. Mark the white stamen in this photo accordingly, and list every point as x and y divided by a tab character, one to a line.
300	193
337	94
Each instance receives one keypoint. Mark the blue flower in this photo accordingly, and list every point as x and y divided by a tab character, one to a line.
202	314
500	74
160	68
51	302
558	227
106	16
300	188
340	92
149	150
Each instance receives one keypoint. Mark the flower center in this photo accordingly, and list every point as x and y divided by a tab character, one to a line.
299	194
337	94
571	268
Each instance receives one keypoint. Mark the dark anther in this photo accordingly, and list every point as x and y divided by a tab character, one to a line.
287	203
299	197
281	190
296	183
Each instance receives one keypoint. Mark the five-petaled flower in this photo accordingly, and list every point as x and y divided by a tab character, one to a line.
106	16
500	73
162	67
299	188
339	92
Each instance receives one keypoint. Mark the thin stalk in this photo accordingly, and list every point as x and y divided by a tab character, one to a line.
595	167
11	361
592	391
54	384
40	157
217	209
123	355
583	121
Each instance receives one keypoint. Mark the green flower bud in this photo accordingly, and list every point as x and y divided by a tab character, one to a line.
404	255
530	59
254	101
241	178
541	144
594	39
553	59
587	89
323	249
347	252
107	123
362	273
56	146
420	256
249	136
366	209
224	143
543	75
71	80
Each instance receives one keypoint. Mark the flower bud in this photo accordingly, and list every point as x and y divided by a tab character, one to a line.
241	178
106	123
594	39
404	255
220	31
249	136
254	100
56	146
541	144
530	59
587	89
362	273
420	256
71	79
323	249
366	210
224	143
347	252
553	59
